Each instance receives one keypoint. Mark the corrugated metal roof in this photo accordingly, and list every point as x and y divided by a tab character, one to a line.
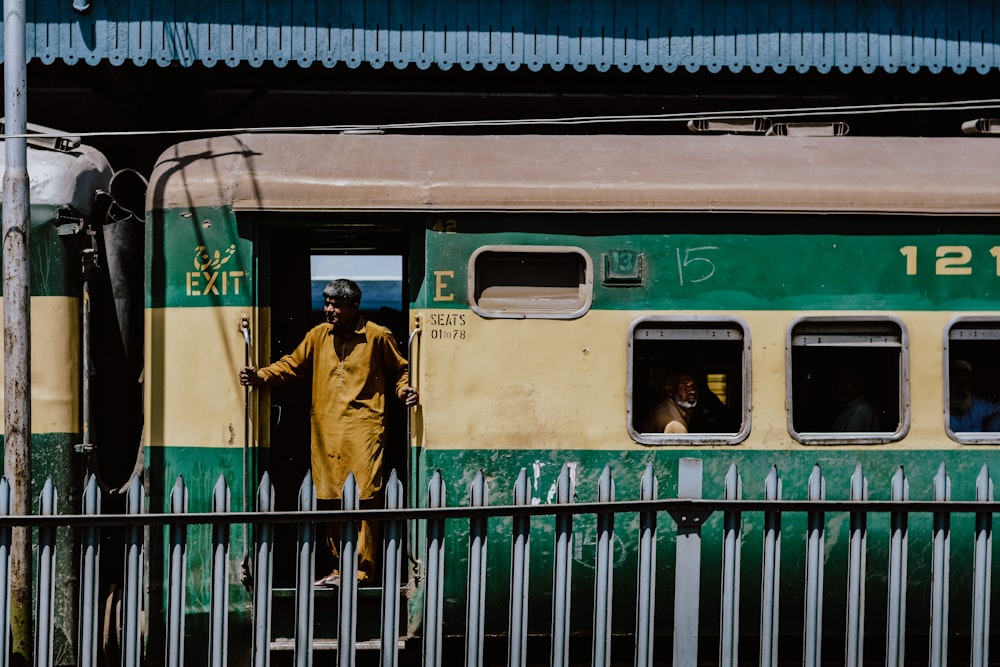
758	35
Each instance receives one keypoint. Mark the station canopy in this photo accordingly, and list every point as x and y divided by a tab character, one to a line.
731	35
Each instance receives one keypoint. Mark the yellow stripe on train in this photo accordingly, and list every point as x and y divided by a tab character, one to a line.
192	393
55	363
545	384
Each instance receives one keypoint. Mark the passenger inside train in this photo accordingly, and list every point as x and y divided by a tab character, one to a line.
970	411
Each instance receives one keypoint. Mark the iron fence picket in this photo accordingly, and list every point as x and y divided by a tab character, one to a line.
896	603
219	610
603	579
857	567
517	635
263	576
90	558
305	572
562	572
177	577
6	539
729	618
134	575
688	569
646	573
46	585
475	614
348	619
434	591
392	532
771	575
813	631
940	566
982	573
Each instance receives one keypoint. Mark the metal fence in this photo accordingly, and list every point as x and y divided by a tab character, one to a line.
689	512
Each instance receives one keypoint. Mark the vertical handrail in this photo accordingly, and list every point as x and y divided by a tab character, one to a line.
645	627
475	607
90	556
263	576
305	573
603	570
896	604
771	574
219	610
687	573
348	620
46	588
392	532
732	529
857	568
413	359
177	586
940	572
434	588
812	644
562	573
982	573
517	635
132	593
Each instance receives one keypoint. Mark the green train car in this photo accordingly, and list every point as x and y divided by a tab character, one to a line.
831	298
86	341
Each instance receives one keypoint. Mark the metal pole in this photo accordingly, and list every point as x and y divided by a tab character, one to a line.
16	320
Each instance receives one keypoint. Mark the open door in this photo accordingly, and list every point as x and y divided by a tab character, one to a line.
296	264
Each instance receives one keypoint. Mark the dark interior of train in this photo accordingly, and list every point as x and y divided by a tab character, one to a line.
717	368
295	298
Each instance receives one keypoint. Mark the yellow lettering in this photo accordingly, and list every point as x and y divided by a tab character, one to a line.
192	283
210	285
236	275
440	286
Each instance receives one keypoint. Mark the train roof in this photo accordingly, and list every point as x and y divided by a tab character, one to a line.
65	178
345	172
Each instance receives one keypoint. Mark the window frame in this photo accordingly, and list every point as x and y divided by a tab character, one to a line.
832	437
963	437
587	286
693	322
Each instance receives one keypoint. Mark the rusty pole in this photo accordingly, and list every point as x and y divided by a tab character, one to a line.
17	322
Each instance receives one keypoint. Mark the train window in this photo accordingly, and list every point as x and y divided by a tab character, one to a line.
688	380
847	380
530	282
972	380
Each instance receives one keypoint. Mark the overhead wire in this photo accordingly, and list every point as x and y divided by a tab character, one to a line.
772	113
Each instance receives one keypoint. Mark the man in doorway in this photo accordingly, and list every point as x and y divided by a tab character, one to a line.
353	363
673	413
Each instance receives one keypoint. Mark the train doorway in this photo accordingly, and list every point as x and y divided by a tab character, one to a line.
295	265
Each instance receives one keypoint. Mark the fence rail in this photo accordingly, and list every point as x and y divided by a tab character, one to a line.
689	513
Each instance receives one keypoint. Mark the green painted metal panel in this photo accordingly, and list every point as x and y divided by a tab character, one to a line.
458	468
197	259
55	260
803	262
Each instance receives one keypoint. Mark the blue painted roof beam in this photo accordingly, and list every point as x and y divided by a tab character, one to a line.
735	35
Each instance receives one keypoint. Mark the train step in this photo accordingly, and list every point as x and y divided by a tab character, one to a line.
285	644
325	623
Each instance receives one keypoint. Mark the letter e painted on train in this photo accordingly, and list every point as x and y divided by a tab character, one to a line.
440	285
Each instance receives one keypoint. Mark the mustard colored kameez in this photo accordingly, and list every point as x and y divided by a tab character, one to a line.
349	380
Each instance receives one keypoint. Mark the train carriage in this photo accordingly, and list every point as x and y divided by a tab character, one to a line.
85	342
546	287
